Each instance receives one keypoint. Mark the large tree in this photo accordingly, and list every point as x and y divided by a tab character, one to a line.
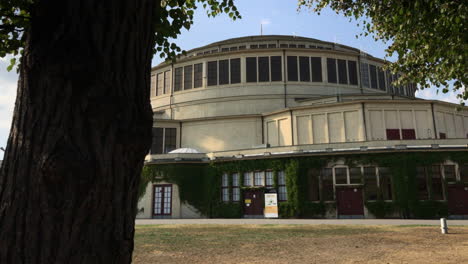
82	122
429	37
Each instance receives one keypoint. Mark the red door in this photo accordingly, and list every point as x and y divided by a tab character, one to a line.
254	202
458	200
349	201
162	205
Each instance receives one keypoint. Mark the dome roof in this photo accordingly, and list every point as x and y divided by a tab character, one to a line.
185	150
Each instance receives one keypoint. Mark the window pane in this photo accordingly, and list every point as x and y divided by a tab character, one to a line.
167	82
341	176
355	176
365	74
269	178
276	74
449	173
352	72
198	75
235	194
160	84
327	184
331	70
304	68
314	189
178	79
408	134
225	180
188	77
235	179
385	179
316	69
251	68
153	86
464	173
235	71
381	79
282	193
223	72
342	74
259	178
373	75
437	189
292	68
393	134
212	73
225	194
281	178
157	143
170	139
421	183
248	179
371	188
263	69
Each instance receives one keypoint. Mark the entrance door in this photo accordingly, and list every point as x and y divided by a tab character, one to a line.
349	201
254	202
162	200
458	200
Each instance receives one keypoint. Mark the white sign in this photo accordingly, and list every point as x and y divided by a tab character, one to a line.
271	205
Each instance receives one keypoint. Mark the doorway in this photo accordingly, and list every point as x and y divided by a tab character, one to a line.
349	202
254	203
162	205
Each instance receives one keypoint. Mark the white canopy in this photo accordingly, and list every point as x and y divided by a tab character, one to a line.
185	150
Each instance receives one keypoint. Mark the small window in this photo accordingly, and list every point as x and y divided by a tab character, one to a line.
316	69
242	47
254	46
159	84
381	79
167	82
153	86
157	142
251	68
302	46
235	187
292	45
373	75
225	187
283	45
365	74
248	179
235	71
408	134
212	73
271	46
342	72
292	68
259	178
421	183
393	134
263	69
223	72
262	46
282	191
326	177
224	49
331	70
385	182
352	72
178	79
449	173
341	176
436	182
442	135
304	69
276	73
371	188
170	138
188	77
232	48
355	176
269	179
198	75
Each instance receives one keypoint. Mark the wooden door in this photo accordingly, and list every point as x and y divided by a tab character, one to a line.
458	200
349	201
162	205
254	202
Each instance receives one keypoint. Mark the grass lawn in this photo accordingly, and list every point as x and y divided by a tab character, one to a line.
299	244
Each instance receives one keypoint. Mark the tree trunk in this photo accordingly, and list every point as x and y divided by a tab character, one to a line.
81	128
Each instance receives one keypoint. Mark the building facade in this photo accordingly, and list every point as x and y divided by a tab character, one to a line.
319	123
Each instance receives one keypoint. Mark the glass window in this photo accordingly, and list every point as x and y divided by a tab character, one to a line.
408	134
373	75
282	191
331	70
223	72
225	180
421	183
263	69
225	187
381	79
316	69
276	74
251	68
160	84
449	173
235	187
178	79
341	176
314	186
248	179
198	75
352	72
212	73
437	188
269	178
327	184
304	69
235	71
153	85
342	72
292	68
259	178
365	74
167	82
355	176
393	134
385	180
157	143
371	188
464	173
188	77
170	137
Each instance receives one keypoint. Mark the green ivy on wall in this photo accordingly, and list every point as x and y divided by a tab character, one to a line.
200	184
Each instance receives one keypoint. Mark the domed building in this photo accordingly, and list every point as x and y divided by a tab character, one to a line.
319	124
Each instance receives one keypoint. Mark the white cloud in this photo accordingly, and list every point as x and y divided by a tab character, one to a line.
432	94
265	21
8	85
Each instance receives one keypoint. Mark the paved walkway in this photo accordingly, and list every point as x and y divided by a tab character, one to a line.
297	222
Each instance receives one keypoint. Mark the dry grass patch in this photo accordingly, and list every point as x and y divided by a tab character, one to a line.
299	244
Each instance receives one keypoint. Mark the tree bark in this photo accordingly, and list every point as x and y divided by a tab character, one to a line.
81	128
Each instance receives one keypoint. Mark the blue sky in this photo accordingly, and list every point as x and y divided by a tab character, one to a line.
279	17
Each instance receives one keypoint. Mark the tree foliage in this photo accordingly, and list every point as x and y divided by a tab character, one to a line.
173	16
429	37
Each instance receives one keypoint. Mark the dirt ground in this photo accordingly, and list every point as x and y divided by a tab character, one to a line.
299	244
